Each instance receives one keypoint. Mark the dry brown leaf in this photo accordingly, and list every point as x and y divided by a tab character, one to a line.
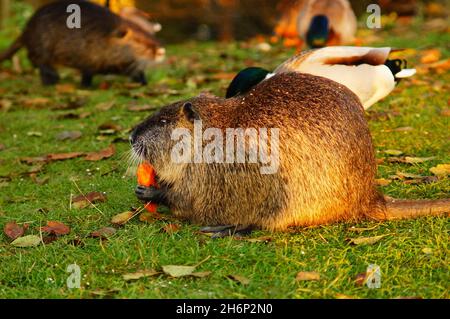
105	153
105	106
104	232
83	201
140	274
63	156
141	108
109	128
307	276
65	88
239	279
56	228
365	240
36	102
360	279
13	231
122	218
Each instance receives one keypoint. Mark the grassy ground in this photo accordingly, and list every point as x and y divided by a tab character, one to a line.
413	257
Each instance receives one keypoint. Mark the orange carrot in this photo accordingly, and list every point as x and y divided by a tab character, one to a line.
146	176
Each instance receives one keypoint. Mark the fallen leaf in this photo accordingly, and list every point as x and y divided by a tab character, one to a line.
239	279
49	239
365	240
109	128
171	228
393	152
422	180
360	279
83	201
56	228
105	106
413	160
105	153
430	56
441	170
407	175
201	274
307	276
27	241
178	271
122	218
63	156
68	135
65	88
141	108
140	274
104	232
36	102
13	231
410	160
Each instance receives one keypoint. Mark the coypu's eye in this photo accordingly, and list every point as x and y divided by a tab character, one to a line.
163	121
190	112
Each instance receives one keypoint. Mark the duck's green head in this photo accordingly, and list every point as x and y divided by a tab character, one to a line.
318	32
245	80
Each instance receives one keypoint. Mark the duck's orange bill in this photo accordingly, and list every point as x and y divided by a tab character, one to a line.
146	176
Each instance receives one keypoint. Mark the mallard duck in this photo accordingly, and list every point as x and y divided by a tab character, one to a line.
327	22
364	70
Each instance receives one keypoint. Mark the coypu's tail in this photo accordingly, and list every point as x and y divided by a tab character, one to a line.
8	53
403	209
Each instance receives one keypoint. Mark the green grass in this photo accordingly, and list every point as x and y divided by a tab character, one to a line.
40	272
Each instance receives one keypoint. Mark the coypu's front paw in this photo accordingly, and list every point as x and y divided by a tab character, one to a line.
227	230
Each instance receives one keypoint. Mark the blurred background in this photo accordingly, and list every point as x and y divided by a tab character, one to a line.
227	20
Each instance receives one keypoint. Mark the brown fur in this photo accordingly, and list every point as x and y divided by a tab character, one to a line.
105	43
327	163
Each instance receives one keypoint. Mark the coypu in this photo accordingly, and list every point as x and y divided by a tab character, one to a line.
105	43
327	164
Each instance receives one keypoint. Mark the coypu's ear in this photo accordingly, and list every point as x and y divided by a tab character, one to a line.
190	112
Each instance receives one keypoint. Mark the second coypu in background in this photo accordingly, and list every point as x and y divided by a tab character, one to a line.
326	171
105	43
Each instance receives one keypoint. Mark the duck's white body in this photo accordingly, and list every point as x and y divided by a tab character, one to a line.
361	69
